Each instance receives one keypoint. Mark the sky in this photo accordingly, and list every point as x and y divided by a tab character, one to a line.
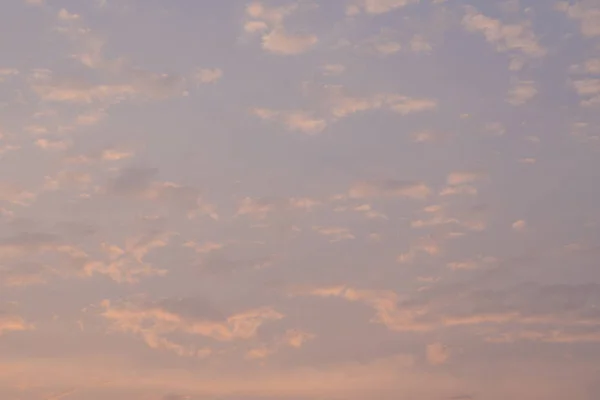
299	199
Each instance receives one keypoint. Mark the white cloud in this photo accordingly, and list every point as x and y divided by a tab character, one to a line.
13	323
437	354
334	233
65	15
154	323
522	92
204	248
208	75
15	194
296	120
79	92
271	15
519	225
419	44
518	37
333	69
389	188
275	38
424	137
7	73
342	104
378	6
255	26
589	90
591	66
387	47
587	13
404	105
281	42
463	177
58	145
527	160
495	128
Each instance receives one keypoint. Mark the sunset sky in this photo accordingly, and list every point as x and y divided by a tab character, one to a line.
299	200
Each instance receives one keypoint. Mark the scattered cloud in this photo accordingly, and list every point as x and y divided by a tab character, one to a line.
65	15
335	234
275	37
377	6
518	38
154	322
437	354
300	121
521	93
12	323
333	69
519	225
389	188
587	13
281	42
207	75
589	90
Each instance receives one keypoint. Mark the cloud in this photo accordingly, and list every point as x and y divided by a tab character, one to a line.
293	338
82	92
507	38
336	234
385	304
135	83
387	47
521	93
586	13
255	26
419	44
379	6
153	322
591	66
259	208
341	104
300	121
141	183
65	15
90	118
519	225
463	177
437	354
495	128
132	180
471	264
275	38
127	264
426	245
204	248
333	69
281	42
208	75
438	215
460	183
13	323
106	154
13	193
271	15
22	274
6	73
589	90
55	145
389	188
297	338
